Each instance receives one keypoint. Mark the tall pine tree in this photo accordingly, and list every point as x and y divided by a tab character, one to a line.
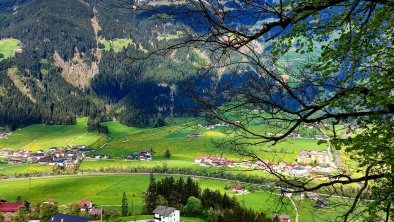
125	205
150	196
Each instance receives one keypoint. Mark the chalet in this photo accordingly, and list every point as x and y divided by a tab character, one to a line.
238	189
146	155
299	171
95	213
166	214
280	218
86	205
37	155
200	159
312	196
321	137
16	160
321	203
53	149
313	156
195	134
294	136
46	160
51	201
68	218
40	151
10	208
85	149
5	152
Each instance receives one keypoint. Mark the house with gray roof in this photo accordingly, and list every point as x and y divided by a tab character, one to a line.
166	214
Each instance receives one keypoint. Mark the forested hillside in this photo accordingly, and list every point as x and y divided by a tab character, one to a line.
74	62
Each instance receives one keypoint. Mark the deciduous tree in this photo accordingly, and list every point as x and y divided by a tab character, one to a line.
295	64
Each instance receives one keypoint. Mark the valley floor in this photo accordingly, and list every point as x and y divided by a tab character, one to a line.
105	187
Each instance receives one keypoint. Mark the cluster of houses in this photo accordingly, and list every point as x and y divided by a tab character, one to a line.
205	160
291	135
142	156
54	156
314	157
291	169
299	170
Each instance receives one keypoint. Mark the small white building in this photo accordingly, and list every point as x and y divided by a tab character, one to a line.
166	214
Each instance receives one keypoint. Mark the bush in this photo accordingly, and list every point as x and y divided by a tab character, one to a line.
193	207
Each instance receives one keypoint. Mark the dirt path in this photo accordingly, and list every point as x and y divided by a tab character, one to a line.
25	147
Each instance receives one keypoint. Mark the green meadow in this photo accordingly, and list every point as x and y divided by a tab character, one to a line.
125	140
15	169
118	44
107	190
40	136
8	47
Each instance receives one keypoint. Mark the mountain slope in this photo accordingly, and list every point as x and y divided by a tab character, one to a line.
74	63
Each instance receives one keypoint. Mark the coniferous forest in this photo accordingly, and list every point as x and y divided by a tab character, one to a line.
65	70
188	196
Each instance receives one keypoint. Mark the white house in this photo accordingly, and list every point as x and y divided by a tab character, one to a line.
166	214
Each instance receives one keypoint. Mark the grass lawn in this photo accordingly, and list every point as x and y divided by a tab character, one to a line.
40	136
106	164
8	47
12	169
107	191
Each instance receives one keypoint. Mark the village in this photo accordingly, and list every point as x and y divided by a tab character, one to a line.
315	164
67	157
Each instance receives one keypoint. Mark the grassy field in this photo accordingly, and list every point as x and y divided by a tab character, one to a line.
116	44
40	136
126	140
8	47
14	169
107	191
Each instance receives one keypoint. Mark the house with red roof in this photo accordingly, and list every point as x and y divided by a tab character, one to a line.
10	207
86	205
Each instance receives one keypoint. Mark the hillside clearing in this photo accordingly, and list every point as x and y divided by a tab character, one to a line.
8	47
41	136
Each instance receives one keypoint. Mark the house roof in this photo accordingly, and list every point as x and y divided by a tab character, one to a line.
10	207
68	218
95	211
85	203
164	210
